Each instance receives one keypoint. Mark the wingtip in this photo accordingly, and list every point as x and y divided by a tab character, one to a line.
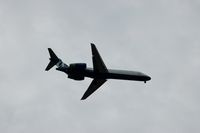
92	44
82	99
93	47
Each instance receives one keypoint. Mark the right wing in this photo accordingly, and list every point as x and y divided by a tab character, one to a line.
96	83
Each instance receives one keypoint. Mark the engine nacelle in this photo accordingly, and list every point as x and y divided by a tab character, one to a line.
76	71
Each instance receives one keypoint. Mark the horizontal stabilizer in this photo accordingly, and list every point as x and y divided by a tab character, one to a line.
50	65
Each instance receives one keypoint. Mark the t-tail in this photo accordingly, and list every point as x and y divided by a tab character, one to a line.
53	59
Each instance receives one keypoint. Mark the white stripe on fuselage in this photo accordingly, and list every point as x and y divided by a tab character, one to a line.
125	72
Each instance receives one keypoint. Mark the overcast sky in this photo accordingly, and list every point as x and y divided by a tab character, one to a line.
159	37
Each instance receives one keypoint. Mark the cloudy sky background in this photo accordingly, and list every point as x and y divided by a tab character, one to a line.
159	37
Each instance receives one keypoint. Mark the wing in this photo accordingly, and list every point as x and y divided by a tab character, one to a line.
96	83
98	63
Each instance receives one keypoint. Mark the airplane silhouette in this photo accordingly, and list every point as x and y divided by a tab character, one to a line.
99	72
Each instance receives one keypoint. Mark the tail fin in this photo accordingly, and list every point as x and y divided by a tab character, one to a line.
53	59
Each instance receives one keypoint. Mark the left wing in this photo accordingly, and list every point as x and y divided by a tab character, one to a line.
98	64
96	83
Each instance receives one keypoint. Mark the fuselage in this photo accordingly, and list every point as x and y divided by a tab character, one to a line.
99	73
117	74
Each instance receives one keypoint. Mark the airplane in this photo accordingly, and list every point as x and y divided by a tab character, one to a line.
99	73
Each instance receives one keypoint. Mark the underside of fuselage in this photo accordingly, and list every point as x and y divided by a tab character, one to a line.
117	74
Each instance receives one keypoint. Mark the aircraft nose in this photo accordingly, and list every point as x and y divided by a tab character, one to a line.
148	77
